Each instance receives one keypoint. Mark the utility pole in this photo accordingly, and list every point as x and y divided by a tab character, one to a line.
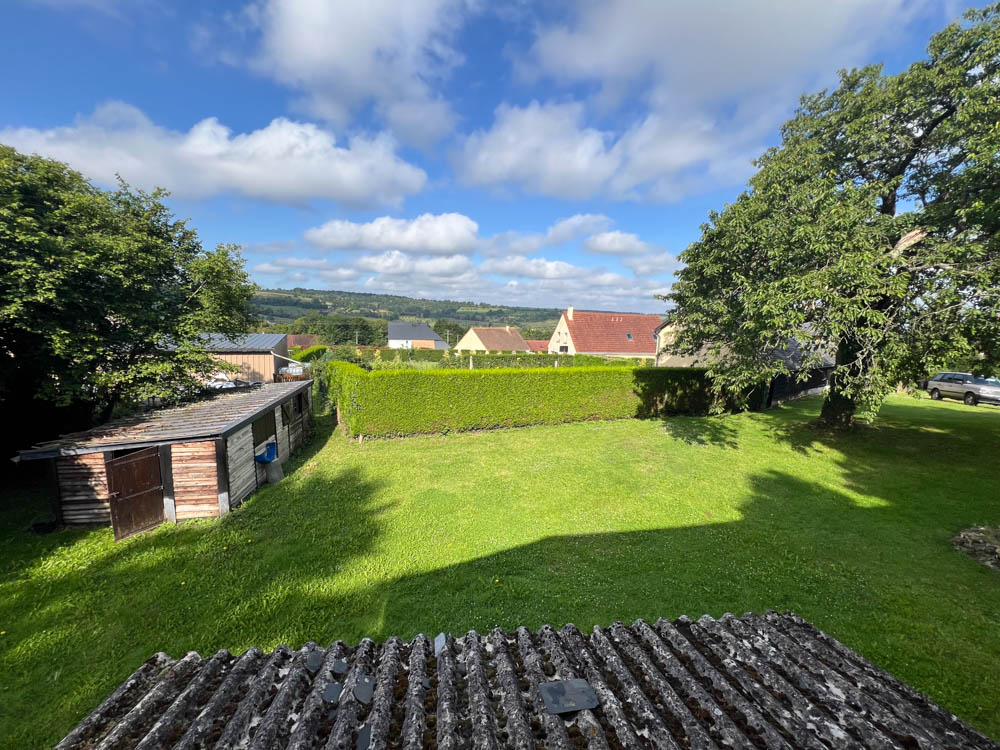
355	338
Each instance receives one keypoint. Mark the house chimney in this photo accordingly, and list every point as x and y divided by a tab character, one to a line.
569	312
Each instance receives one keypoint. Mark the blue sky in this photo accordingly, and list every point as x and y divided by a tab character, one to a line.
544	154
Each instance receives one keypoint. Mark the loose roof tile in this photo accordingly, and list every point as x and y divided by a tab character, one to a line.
769	681
211	416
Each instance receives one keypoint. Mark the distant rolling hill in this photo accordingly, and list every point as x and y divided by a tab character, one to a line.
282	306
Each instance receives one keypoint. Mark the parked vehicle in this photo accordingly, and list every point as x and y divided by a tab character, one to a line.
972	389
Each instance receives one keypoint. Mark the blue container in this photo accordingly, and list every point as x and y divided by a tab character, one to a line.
270	453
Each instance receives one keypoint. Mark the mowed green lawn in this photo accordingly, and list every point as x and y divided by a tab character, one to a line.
583	523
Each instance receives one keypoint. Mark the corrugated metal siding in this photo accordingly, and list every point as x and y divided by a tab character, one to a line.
770	681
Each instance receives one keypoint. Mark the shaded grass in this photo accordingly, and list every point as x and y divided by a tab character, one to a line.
587	523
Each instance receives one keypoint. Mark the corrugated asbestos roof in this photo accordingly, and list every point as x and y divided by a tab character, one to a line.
770	681
211	416
400	331
253	342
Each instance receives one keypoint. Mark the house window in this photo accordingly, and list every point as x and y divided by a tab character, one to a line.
263	428
563	349
628	336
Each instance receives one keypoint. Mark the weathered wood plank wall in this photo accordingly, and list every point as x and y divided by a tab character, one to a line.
196	484
242	481
83	488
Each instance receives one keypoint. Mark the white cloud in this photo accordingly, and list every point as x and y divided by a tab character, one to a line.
542	147
569	229
394	263
616	243
654	264
346	55
514	242
659	50
548	150
441	234
285	162
534	268
678	115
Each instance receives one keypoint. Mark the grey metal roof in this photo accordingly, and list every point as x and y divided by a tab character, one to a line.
401	331
770	681
216	415
252	342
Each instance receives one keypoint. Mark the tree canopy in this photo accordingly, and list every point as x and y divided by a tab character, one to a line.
870	232
103	293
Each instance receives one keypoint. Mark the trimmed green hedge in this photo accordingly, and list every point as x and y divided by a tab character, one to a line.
311	353
521	360
392	403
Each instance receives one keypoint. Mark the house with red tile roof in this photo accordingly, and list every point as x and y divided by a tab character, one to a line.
538	346
606	334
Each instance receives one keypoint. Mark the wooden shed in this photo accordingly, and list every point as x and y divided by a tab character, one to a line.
258	355
190	461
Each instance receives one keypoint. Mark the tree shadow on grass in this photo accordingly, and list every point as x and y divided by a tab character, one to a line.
867	559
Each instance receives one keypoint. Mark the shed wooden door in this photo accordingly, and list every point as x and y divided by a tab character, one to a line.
135	490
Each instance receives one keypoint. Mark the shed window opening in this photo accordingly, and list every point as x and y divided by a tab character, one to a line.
264	428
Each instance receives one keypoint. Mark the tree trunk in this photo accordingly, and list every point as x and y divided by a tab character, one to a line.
838	408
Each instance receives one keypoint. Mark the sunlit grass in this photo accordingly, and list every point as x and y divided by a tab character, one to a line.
586	523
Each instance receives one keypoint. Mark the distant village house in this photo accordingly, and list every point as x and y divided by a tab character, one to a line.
505	339
414	336
605	334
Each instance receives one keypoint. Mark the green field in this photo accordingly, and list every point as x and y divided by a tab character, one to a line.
583	523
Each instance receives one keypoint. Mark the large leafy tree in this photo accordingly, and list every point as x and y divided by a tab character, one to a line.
103	294
869	233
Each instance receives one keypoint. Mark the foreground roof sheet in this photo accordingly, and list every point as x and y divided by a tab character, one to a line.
770	681
210	416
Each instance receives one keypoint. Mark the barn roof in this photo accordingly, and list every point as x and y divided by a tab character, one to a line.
253	342
770	681
215	415
613	332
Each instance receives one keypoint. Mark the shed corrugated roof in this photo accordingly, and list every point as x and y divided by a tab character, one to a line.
613	333
252	342
770	681
211	416
402	331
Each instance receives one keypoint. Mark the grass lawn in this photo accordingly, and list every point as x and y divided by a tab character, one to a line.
583	523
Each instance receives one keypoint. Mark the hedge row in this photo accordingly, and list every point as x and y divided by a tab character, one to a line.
523	361
392	403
